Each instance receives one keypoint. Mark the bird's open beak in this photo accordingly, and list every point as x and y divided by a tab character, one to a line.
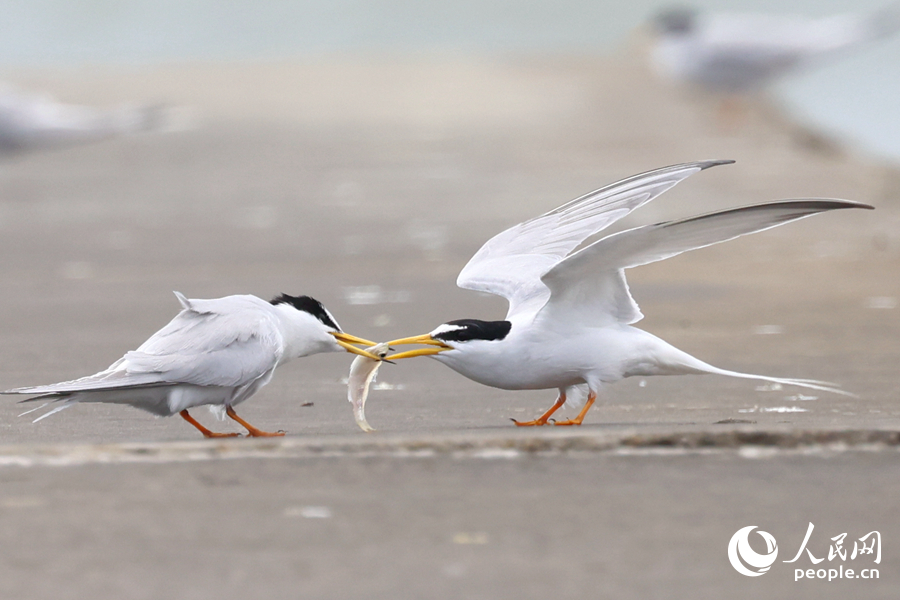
419	339
346	341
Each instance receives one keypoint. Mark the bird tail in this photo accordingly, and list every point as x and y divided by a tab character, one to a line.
66	403
689	364
813	384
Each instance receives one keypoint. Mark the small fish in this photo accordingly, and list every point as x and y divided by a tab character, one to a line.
362	374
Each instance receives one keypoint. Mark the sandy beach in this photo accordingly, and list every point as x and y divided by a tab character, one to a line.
368	183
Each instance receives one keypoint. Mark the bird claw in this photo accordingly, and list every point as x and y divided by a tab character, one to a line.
535	423
260	433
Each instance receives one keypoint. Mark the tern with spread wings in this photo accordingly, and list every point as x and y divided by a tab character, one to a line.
571	316
217	352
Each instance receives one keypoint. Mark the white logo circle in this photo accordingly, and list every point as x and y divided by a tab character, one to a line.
739	548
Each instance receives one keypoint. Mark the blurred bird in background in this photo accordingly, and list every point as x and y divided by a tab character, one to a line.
737	53
32	122
740	55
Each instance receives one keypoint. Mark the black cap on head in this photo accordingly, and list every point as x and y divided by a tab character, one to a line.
309	305
676	19
464	330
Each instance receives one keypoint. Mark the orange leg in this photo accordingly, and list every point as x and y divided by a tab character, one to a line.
587	406
253	431
206	432
542	420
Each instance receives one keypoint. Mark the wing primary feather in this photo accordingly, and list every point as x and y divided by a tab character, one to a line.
630	181
87	384
589	286
512	262
651	243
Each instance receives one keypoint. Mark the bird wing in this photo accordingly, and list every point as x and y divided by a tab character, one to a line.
512	262
115	377
227	342
589	287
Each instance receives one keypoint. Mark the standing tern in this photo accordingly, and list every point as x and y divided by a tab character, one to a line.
743	53
569	324
217	352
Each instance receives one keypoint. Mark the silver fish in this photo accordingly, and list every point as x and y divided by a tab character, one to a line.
362	374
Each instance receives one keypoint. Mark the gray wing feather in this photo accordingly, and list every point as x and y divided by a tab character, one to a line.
224	342
589	286
512	262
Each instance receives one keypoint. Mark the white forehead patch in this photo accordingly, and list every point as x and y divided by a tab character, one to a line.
445	328
331	316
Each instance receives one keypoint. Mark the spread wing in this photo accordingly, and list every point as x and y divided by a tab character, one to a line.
226	342
589	287
512	262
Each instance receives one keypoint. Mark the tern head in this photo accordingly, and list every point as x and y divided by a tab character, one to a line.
454	335
323	322
676	20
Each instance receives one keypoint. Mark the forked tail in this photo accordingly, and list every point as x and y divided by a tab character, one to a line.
66	404
698	366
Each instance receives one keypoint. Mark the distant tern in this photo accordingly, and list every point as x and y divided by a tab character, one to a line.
737	53
34	122
569	324
215	352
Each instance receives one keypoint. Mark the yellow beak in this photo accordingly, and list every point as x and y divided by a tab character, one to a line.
419	339
346	341
352	339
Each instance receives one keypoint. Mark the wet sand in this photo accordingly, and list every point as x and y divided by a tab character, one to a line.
368	184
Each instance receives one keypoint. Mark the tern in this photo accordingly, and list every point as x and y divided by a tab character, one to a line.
571	315
741	53
217	352
31	122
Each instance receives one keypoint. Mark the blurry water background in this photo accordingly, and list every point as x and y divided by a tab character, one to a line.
854	97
